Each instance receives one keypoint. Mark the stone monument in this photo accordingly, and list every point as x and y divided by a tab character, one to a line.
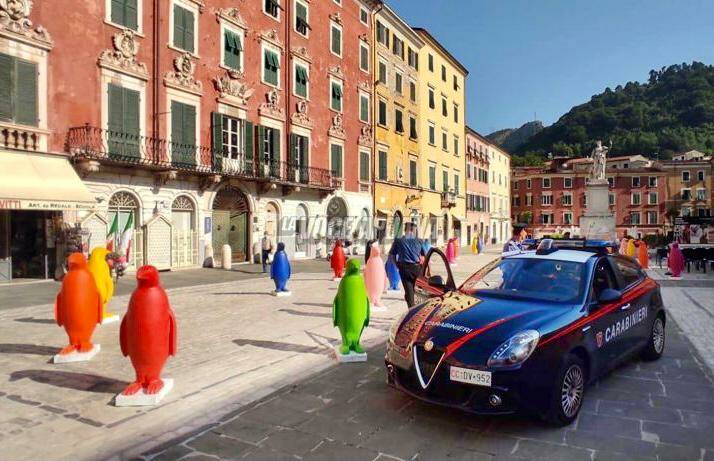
598	222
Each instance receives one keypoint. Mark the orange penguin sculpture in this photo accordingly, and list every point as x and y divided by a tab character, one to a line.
78	307
148	332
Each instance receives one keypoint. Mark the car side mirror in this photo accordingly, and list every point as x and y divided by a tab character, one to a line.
436	281
608	295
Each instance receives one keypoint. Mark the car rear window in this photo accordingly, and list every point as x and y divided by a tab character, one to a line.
538	279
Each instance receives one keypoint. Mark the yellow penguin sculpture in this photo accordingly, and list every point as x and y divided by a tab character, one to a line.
99	268
474	245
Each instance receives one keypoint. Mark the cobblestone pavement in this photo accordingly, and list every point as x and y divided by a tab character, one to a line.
237	344
643	410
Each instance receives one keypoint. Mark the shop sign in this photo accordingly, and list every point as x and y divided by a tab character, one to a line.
43	205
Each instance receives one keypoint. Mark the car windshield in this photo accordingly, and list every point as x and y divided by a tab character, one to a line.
538	279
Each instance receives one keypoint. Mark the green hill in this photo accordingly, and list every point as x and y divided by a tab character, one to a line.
511	139
672	112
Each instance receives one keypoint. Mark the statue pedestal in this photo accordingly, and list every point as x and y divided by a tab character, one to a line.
111	318
351	357
141	399
598	222
76	356
281	294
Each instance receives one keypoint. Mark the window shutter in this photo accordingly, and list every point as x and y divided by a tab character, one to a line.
179	27
364	109
26	97
301	12
131	122
292	154
177	127
336	39
188	31
217	140
7	66
116	109
275	144
231	51
260	143
249	147
117	12
189	125
130	14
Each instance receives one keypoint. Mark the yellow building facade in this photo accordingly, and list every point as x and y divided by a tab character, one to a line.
442	141
396	120
499	171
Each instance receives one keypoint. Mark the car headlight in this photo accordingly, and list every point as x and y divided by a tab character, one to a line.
395	326
516	350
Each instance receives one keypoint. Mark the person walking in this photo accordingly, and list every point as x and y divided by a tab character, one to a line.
514	244
266	247
406	251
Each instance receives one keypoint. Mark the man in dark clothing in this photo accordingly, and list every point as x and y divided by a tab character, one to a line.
406	251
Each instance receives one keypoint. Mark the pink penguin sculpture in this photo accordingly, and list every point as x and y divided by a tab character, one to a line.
451	251
375	277
675	260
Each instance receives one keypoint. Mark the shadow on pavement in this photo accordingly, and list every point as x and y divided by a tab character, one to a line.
287	347
71	380
34	320
30	349
314	304
245	293
305	314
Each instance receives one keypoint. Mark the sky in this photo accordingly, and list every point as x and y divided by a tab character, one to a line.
535	59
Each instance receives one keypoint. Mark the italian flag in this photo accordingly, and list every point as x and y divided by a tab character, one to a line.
126	236
112	234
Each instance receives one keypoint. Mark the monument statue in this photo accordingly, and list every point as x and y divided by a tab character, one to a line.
599	157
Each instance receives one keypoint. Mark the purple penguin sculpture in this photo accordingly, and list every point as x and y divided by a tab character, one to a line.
392	274
675	260
375	277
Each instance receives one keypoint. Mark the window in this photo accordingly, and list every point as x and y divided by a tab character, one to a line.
685	211
611	182
611	199
432	135
567	218
271	67
183	133
18	91
568	183
652	198
364	56
412	58
269	150
432	177
398	121
229	135
412	173
383	165
443	72
413	128
546	199
445	180
301	80
456	145
566	199
700	175
651	217
398	82
363	16
336	96
444	141
444	110
364	107
529	200
412	91
685	176
125	13
431	63
382	113
630	271
184	34
398	47
336	40
364	166
232	50
528	183
432	103
701	194
653	181
301	18
271	8
336	160
456	83
456	184
635	181
123	121
382	73
456	113
546	183
635	218
299	154
382	34
635	198
547	218
686	194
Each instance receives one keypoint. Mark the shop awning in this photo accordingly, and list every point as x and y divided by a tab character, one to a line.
30	181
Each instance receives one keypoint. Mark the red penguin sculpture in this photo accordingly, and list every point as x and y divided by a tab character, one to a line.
78	307
337	262
148	332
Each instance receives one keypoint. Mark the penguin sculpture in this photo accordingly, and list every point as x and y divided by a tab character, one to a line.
474	245
375	278
392	274
425	246
643	256
368	249
280	271
148	332
631	252
99	267
350	309
78	308
480	244
675	261
337	262
457	246
451	251
623	246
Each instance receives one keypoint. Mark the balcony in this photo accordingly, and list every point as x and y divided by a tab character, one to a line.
448	199
93	146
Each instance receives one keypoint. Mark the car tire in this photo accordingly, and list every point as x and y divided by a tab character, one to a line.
568	392
656	341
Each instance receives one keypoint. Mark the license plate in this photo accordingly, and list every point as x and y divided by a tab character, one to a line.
465	375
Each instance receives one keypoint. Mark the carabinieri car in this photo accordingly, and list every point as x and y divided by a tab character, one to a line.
528	331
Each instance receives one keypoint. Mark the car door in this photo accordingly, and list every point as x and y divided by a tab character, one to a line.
635	312
435	277
598	333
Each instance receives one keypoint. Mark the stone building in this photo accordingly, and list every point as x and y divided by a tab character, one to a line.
478	199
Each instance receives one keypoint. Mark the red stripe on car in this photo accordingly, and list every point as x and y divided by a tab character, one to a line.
456	345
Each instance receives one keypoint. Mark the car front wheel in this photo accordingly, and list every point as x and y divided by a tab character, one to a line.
568	392
655	344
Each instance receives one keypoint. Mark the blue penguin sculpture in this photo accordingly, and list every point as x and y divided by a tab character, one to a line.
280	269
392	273
425	246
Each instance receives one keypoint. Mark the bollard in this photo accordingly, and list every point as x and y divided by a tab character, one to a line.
78	308
148	336
351	313
226	257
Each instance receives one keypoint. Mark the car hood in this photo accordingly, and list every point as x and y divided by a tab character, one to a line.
468	327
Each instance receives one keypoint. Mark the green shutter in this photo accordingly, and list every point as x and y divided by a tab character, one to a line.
116	119
130	14
292	155
217	140
179	27
364	109
176	130
336	160
26	93
7	67
275	145
188	31
260	147
131	122
301	12
189	125
249	147
232	50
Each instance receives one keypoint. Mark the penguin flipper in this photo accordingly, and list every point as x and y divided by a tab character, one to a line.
172	333
122	337
335	318
58	315
100	308
366	320
110	287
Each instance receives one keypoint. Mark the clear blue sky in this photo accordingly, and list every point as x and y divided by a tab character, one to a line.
545	56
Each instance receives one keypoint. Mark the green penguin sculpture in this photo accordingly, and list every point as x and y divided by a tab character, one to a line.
350	309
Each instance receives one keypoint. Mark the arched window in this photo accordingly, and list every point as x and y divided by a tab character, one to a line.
182	214
124	210
397	222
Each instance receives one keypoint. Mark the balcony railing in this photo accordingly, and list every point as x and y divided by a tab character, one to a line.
448	199
105	146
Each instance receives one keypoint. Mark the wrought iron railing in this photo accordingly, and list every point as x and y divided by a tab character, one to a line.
112	147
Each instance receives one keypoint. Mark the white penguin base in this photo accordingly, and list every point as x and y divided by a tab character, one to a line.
141	399
378	308
351	357
336	279
110	319
77	356
671	277
280	294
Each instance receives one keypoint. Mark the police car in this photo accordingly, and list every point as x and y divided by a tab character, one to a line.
528	331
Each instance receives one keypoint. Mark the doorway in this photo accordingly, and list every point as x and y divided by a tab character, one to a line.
32	247
230	223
